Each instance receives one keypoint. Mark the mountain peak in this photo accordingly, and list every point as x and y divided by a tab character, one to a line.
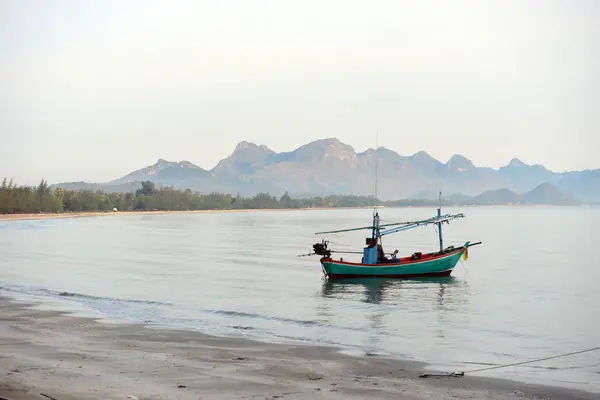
370	152
459	163
327	142
458	157
324	148
515	162
187	164
424	162
381	151
244	145
163	163
422	155
245	159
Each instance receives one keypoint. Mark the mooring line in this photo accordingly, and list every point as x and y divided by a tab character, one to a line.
462	373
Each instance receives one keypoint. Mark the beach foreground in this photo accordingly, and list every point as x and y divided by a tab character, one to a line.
48	354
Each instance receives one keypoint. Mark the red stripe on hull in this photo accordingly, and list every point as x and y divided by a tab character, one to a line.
426	275
404	260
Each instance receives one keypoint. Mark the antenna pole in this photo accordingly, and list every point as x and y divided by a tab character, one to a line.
375	234
439	224
376	165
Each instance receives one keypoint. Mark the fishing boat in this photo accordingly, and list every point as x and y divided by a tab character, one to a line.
375	263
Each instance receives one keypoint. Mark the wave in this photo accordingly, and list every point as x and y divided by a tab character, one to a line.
243	328
130	310
36	291
301	322
87	296
33	224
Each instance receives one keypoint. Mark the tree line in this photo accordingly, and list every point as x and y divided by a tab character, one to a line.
19	199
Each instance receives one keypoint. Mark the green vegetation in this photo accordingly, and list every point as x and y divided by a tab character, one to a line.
29	199
16	199
43	199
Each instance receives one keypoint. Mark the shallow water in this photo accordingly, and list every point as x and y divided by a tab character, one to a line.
529	291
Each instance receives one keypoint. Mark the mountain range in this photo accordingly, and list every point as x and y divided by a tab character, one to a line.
328	166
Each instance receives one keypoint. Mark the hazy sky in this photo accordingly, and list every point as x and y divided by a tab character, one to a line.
91	90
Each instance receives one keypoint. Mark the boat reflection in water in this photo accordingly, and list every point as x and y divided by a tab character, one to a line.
392	313
377	289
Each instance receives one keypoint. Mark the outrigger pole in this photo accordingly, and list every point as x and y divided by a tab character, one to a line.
386	229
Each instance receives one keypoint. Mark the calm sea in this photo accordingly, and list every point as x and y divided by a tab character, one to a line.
531	290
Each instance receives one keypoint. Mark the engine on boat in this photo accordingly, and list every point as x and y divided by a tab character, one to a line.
321	248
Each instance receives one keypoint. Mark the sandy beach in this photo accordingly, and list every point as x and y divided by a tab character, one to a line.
51	355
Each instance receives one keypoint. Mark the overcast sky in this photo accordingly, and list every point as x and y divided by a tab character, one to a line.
93	90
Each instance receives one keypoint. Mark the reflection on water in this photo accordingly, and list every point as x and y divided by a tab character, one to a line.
388	296
376	290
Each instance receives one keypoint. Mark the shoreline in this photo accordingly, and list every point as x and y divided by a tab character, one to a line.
73	357
87	214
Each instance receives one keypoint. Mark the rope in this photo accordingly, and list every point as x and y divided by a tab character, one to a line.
531	361
460	373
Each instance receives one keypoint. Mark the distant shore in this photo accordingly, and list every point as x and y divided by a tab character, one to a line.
87	214
30	216
50	354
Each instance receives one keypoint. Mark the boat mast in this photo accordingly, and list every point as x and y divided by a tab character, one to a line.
439	224
375	235
376	167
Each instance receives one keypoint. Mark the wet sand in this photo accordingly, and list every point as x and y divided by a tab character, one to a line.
52	355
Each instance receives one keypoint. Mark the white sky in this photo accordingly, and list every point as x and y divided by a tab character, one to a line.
93	90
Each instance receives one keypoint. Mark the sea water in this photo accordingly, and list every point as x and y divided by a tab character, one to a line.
530	290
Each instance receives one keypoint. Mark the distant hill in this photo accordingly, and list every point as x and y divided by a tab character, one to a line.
584	185
521	177
543	194
168	173
499	196
547	193
328	166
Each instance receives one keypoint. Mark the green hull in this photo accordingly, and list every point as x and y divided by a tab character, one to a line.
440	265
